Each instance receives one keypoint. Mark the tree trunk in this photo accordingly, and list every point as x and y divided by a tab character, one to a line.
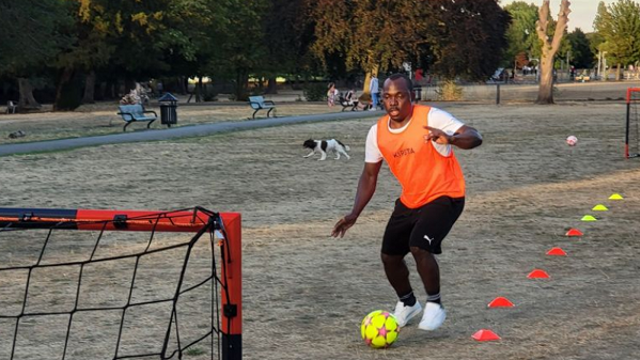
545	90
199	90
183	85
110	92
89	88
68	90
26	101
272	86
549	47
240	91
65	77
618	77
366	94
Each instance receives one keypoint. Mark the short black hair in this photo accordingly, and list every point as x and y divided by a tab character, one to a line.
408	81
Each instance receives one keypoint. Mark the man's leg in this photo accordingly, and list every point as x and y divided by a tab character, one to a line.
429	272
397	273
435	221
395	246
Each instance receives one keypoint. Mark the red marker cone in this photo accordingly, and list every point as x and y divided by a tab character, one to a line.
500	302
538	274
556	251
485	335
574	232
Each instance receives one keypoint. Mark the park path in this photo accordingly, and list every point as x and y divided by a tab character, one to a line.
179	132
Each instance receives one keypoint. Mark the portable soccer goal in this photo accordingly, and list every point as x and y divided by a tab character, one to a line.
632	134
112	284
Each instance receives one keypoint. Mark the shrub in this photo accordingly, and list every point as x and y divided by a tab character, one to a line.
449	91
315	92
209	94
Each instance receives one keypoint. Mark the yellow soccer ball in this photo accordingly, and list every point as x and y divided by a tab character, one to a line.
379	329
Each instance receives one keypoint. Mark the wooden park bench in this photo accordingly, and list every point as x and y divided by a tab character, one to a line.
136	113
259	103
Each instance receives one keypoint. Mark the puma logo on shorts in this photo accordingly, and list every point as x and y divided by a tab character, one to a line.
407	227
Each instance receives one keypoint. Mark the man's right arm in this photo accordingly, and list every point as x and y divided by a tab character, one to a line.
366	189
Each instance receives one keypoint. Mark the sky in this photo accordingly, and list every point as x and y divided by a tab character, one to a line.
582	12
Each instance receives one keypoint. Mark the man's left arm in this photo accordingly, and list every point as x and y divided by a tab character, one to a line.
466	137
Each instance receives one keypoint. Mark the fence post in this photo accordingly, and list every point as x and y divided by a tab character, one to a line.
497	94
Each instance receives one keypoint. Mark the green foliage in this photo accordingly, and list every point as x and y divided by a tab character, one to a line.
521	35
288	31
315	91
32	35
381	35
472	48
619	26
581	54
209	94
370	34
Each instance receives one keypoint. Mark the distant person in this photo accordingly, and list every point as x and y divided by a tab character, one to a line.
332	94
417	143
419	75
350	96
159	88
373	89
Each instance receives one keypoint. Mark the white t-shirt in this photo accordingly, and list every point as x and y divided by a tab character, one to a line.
438	119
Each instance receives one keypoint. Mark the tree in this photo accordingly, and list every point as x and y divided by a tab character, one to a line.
379	35
582	56
520	34
369	35
192	38
238	45
32	38
288	32
550	45
472	48
619	26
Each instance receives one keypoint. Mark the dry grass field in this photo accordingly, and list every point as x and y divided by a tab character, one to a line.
305	293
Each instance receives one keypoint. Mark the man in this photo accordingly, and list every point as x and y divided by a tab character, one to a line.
373	89
416	141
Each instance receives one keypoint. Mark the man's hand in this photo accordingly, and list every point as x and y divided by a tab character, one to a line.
343	225
439	136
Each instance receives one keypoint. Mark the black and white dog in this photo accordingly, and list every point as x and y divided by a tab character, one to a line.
324	146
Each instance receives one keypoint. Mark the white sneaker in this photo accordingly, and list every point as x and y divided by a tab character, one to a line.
433	317
404	313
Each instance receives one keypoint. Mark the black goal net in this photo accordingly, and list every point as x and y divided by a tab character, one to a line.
131	284
632	135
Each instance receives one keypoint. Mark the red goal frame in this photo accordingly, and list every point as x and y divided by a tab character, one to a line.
628	123
193	220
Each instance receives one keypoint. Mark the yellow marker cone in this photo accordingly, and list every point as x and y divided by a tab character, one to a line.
615	196
588	218
600	207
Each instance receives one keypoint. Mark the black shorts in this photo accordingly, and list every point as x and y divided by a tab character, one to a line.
424	227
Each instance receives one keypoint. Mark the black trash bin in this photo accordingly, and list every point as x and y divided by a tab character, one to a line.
417	91
168	106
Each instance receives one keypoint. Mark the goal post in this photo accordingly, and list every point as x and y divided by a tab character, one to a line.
632	129
220	232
